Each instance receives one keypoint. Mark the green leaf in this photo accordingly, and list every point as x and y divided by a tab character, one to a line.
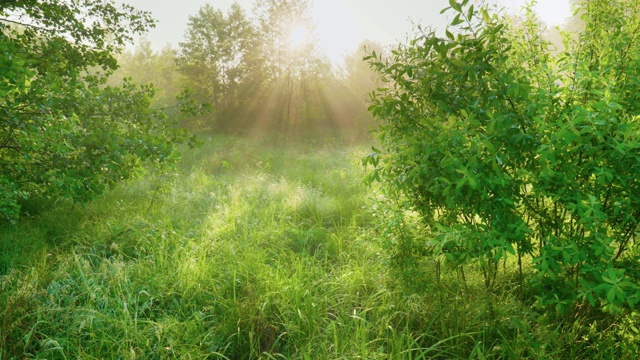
473	183
449	34
454	4
611	294
456	20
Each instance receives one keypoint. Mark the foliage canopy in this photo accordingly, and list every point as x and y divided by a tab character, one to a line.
506	147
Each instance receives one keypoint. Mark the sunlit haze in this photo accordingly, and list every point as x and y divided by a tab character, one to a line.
340	25
298	36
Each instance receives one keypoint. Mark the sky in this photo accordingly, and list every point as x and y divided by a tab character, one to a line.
340	25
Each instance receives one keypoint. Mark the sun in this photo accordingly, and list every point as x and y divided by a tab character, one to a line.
339	27
298	37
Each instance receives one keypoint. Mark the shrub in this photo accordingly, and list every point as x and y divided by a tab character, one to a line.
505	147
63	132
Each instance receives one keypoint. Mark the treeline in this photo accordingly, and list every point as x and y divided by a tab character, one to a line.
255	79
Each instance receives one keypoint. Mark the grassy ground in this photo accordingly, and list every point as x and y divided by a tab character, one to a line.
249	251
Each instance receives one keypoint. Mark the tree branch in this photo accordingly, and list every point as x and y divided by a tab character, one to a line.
27	25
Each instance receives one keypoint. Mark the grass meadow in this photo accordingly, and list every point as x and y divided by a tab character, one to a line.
252	251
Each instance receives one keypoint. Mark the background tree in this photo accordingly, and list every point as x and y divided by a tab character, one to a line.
146	66
504	148
361	81
63	132
214	58
295	72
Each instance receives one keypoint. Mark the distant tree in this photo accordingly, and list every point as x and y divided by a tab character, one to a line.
362	81
359	75
144	65
277	20
215	57
295	71
63	132
573	25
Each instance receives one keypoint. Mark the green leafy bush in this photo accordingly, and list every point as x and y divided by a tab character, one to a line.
63	132
505	146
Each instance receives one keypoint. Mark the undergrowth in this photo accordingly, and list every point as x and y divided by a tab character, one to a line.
249	251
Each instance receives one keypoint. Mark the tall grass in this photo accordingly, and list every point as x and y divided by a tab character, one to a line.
248	251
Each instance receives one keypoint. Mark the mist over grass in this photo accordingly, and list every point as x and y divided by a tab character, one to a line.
252	251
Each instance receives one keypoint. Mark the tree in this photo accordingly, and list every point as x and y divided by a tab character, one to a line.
215	57
143	65
63	132
293	68
504	148
361	81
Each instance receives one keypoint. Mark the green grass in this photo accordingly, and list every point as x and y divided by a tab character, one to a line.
248	251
